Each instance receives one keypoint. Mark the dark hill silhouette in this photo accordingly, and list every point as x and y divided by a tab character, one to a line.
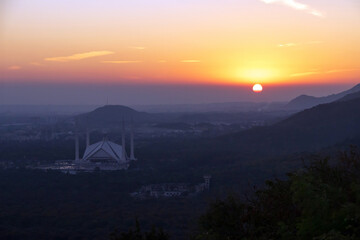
112	115
309	130
350	96
306	101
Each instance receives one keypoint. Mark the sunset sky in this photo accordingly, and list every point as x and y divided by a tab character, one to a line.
147	43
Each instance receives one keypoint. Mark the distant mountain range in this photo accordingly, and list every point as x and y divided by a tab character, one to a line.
224	107
350	96
309	130
297	104
112	115
306	101
312	129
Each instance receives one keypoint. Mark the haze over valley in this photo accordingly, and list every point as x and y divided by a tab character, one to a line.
179	120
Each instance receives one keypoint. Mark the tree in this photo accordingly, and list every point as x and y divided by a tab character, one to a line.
320	202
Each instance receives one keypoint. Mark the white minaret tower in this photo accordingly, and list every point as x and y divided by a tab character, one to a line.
87	137
76	147
132	155
123	141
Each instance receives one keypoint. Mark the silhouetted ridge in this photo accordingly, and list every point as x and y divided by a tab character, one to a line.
309	130
114	109
306	101
112	114
350	96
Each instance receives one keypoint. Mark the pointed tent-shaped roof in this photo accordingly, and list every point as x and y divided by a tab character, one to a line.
105	149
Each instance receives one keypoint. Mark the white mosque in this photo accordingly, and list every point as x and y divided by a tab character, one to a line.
104	155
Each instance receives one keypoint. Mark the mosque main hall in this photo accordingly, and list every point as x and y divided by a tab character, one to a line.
105	154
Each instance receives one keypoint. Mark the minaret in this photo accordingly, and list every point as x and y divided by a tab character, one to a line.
132	155
76	147
87	137
123	141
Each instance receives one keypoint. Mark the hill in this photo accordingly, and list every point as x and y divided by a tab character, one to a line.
350	97
112	115
306	101
309	130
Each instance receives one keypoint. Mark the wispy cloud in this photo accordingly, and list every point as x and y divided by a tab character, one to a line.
131	77
297	5
138	48
79	56
14	67
285	45
304	74
323	72
122	62
36	64
343	70
190	61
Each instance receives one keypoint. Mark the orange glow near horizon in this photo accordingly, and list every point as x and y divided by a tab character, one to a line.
170	43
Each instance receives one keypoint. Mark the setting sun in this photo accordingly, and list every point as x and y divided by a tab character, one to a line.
131	95
257	88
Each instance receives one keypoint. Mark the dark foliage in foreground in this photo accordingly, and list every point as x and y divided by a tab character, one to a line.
52	205
321	202
137	234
